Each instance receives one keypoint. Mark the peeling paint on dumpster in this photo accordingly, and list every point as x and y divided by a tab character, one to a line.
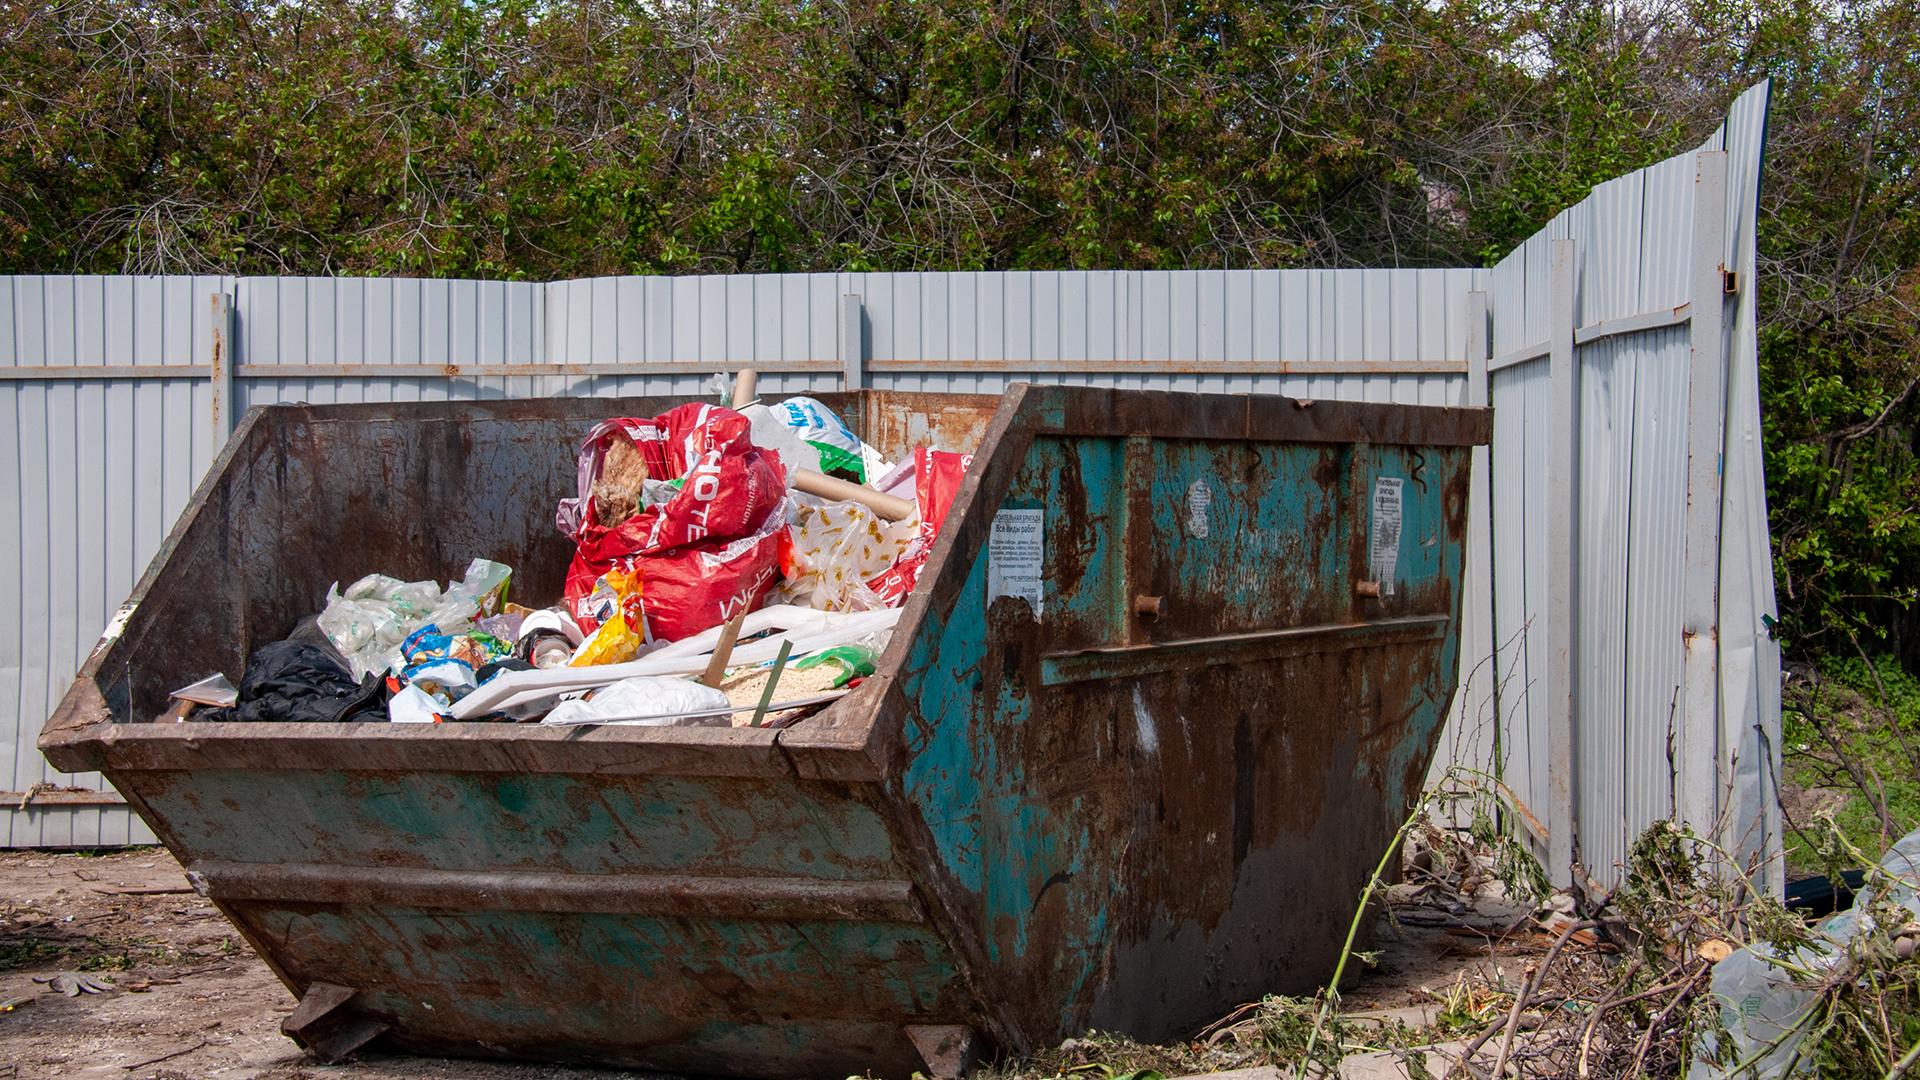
1153	800
1144	820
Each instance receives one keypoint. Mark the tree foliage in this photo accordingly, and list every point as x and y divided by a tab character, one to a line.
525	138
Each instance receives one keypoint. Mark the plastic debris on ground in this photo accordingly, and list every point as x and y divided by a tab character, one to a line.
75	983
1767	1006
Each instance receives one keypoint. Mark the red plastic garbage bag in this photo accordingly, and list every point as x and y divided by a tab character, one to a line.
937	477
699	586
705	541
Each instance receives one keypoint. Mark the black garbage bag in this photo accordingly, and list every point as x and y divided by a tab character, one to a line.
298	682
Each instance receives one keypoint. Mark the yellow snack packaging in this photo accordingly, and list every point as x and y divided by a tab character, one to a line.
613	643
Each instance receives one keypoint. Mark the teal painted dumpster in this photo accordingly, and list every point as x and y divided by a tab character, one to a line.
1167	687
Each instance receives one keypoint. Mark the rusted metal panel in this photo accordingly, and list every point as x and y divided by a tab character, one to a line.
1020	827
899	419
1144	847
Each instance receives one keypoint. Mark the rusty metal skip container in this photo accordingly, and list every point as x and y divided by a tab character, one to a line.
1151	799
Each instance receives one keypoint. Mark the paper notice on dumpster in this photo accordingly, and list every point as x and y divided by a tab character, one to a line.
1384	554
1199	499
1016	551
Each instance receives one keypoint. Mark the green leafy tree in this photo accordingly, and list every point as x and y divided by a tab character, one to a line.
529	138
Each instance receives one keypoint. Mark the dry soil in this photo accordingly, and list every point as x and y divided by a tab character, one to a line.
191	1001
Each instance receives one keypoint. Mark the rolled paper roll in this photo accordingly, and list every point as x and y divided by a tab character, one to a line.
745	385
891	507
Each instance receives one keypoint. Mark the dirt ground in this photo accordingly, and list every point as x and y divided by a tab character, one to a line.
191	1001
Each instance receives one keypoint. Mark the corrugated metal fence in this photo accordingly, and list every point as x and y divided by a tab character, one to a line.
1631	570
121	389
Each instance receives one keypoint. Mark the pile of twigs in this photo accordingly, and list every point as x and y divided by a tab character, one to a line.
1625	989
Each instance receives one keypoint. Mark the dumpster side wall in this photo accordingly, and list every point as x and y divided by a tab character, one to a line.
1138	823
664	898
757	926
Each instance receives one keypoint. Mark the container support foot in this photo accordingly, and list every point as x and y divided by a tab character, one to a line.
325	1027
949	1050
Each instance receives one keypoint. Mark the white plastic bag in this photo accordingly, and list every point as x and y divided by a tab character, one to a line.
413	705
808	435
647	700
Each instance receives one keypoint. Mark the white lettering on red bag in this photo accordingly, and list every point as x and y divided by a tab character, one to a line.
729	606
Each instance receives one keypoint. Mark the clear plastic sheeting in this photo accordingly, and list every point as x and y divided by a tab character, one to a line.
371	619
1767	1000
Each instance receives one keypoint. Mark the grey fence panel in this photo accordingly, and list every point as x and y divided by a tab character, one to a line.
1657	720
104	456
1656	524
1605	466
1749	657
1517	726
1223	331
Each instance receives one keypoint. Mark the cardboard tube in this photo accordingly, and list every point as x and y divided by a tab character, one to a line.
745	385
890	507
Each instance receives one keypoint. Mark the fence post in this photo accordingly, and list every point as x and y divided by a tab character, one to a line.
1563	504
1698	783
1479	686
222	369
853	341
1471	735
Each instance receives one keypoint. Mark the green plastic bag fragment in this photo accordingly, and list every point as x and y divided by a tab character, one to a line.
856	662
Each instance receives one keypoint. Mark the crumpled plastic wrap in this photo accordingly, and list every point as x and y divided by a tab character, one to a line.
370	619
1765	1007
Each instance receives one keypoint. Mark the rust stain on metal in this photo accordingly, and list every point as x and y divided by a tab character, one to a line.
1021	827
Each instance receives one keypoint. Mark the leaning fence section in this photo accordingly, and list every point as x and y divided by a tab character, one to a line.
122	389
1634	678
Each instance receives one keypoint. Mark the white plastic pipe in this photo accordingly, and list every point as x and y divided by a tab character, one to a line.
810	631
